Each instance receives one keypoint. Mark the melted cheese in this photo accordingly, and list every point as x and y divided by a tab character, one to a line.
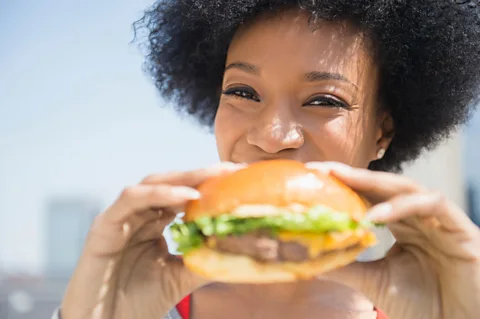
211	242
318	243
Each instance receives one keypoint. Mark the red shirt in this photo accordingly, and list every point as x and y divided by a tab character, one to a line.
183	309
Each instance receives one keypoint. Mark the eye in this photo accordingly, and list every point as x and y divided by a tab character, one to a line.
243	93
327	101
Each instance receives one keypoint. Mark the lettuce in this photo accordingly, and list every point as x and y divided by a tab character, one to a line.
318	220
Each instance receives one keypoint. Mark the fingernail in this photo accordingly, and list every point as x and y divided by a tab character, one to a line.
379	212
186	192
229	166
340	167
320	167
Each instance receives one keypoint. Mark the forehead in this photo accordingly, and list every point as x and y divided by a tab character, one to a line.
289	39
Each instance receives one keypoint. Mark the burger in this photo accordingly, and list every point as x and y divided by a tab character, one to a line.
273	221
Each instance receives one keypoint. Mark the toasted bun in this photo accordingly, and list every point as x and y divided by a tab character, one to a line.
279	183
229	268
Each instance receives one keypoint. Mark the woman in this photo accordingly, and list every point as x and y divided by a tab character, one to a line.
362	84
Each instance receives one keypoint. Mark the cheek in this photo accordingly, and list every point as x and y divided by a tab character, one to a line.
229	128
344	139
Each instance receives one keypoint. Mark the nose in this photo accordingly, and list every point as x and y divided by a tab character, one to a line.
276	130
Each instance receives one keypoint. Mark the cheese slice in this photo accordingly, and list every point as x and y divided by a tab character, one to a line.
319	243
211	242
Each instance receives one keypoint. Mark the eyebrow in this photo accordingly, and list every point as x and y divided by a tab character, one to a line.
247	67
313	76
322	76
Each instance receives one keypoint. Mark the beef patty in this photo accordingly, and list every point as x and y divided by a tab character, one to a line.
262	247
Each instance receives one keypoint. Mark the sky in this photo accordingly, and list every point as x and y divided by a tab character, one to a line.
79	117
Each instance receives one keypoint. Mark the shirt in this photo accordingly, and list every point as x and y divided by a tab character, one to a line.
182	311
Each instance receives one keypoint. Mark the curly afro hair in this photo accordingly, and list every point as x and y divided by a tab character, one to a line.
428	53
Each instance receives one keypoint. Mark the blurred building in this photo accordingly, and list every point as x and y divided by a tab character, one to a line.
444	170
68	220
473	202
472	165
24	297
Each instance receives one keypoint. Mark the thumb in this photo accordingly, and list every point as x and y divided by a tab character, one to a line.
368	278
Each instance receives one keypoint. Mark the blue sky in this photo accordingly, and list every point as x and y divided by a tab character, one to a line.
78	116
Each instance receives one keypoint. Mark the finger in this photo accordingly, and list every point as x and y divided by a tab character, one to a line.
150	232
144	197
377	186
193	178
141	228
425	206
112	238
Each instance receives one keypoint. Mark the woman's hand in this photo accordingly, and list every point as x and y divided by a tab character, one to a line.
433	270
125	270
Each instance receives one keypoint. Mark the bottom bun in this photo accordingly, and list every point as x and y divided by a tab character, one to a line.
229	268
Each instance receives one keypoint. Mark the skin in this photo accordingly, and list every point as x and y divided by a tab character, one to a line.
433	271
278	118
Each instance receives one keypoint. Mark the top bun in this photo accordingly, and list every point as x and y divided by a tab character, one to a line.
279	183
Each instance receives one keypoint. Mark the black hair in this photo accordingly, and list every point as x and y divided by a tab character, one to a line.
428	52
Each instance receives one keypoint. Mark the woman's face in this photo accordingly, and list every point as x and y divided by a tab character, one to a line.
297	91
